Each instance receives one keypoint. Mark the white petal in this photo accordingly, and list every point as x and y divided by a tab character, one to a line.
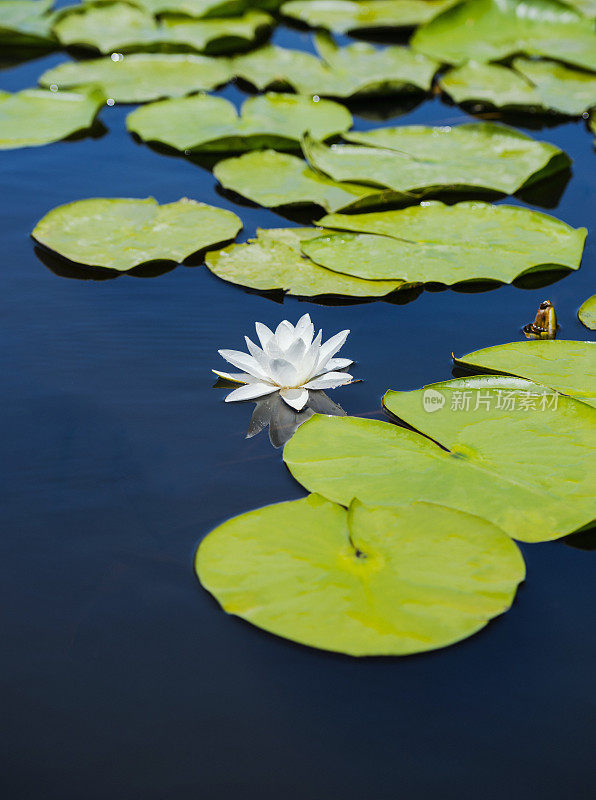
244	362
264	333
337	363
283	373
295	353
329	381
295	398
305	329
234	377
308	367
331	347
259	356
284	334
250	391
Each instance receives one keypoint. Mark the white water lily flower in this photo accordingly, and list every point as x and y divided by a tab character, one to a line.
289	361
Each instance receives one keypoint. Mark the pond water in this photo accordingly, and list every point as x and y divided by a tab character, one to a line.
123	679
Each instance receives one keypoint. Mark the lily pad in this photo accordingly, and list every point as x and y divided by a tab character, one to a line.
567	366
587	313
203	9
212	124
125	28
35	117
566	90
343	16
122	233
142	77
434	242
273	261
26	23
274	179
356	70
367	581
490	30
504	449
421	159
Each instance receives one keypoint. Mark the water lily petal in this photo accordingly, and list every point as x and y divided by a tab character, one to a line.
329	381
305	329
264	333
335	364
296	398
284	334
295	352
283	373
250	391
259	356
244	362
235	377
331	346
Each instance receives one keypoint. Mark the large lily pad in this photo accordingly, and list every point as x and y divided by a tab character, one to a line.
273	261
533	85
447	244
142	77
212	124
504	449
35	117
421	159
490	30
122	233
567	366
26	23
587	313
125	28
367	581
343	16
356	70
274	179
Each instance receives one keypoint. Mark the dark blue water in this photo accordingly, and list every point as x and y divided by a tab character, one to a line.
121	677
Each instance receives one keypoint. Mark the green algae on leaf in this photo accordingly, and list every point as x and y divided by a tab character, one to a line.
35	117
274	179
587	313
212	124
122	233
504	449
421	159
433	242
566	366
273	261
342	16
366	581
26	23
491	30
142	77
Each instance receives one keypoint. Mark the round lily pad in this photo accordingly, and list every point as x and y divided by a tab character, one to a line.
365	582
505	449
26	23
587	313
141	77
35	117
122	233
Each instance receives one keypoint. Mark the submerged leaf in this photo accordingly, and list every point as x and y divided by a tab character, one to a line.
212	124
490	30
273	261
447	244
504	449
478	155
367	581
587	313
343	16
274	179
34	117
121	233
567	366
142	77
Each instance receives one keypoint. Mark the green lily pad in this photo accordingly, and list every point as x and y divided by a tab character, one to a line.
35	117
122	233
26	23
203	9
567	366
142	77
504	449
533	85
585	7
273	261
490	30
367	581
421	159
274	179
587	313
434	242
342	16
212	124
124	28
356	70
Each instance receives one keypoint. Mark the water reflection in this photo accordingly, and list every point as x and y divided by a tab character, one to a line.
283	422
